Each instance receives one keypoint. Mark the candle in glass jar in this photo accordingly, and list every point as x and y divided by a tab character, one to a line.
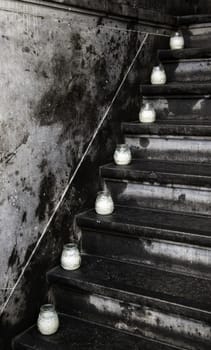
158	76
104	204
48	320
177	41
122	155
147	114
70	258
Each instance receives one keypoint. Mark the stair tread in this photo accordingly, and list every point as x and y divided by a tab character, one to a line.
124	281
137	167
199	88
187	53
167	225
82	335
169	127
176	122
160	172
194	19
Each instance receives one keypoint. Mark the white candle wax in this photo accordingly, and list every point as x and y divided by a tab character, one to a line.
158	76
48	320
104	204
122	155
177	41
70	258
147	114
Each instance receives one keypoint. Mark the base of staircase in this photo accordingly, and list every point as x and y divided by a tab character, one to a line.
77	334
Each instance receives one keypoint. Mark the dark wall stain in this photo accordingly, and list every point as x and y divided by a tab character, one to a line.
46	196
24	217
14	258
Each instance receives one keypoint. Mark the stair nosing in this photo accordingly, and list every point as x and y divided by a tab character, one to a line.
166	123
171	137
175	60
187	88
187	54
188	20
196	215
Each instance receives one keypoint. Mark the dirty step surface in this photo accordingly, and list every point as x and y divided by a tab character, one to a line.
187	66
190	53
176	88
167	147
152	223
144	245
169	127
76	334
194	19
139	284
158	171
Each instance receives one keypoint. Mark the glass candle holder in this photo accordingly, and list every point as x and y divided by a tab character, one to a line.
147	113
71	257
158	76
104	204
177	41
122	155
48	320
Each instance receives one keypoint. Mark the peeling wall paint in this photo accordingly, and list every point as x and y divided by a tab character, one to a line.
58	73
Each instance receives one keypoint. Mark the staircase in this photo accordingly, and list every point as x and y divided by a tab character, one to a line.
145	281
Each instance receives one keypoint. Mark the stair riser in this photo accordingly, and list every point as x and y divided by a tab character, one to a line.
180	199
198	36
188	70
175	256
169	148
172	107
136	319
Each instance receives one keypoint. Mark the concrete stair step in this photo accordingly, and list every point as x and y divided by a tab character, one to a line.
174	101
186	108
162	172
76	334
171	240
184	54
159	304
196	30
176	148
174	127
194	89
194	19
151	223
179	198
187	65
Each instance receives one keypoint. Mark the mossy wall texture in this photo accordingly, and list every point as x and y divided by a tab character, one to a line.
59	72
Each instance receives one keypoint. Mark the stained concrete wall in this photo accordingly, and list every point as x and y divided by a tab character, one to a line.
59	72
176	7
